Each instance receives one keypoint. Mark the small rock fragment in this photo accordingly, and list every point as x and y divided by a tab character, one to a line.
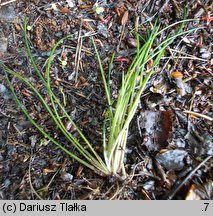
66	176
3	89
8	14
3	44
208	144
131	42
172	159
70	3
7	182
149	185
102	30
206	54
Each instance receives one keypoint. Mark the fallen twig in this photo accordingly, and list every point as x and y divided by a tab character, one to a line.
199	115
78	52
5	3
188	177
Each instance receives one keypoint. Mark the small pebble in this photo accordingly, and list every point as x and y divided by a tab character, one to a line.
208	144
102	30
7	182
3	89
131	42
3	44
172	159
1	195
149	185
206	54
71	3
66	176
8	14
1	159
38	183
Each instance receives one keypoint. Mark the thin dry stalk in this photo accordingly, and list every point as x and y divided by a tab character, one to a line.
78	52
6	3
198	115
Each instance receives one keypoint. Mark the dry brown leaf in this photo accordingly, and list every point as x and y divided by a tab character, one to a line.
47	171
124	18
65	10
192	194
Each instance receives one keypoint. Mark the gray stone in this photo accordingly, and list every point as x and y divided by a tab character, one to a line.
8	14
102	30
172	159
3	89
71	3
3	44
206	54
66	176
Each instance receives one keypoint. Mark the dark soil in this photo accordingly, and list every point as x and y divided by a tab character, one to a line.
169	150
